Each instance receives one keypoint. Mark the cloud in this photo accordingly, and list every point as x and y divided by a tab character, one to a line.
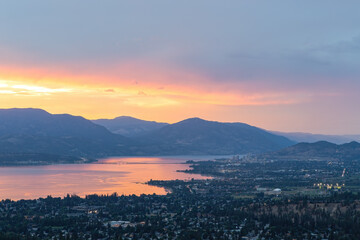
16	88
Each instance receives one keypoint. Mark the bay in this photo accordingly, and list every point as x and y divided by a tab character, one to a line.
124	175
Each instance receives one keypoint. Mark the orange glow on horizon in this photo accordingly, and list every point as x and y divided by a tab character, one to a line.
152	93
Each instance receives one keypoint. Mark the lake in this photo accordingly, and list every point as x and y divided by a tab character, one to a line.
124	175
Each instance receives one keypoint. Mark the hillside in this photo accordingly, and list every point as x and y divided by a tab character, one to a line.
197	136
129	126
37	131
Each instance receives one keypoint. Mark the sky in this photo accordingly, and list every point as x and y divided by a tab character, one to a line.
281	65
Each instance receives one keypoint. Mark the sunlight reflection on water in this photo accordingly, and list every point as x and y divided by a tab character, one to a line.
125	175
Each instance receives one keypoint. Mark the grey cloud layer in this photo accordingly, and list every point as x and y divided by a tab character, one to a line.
227	40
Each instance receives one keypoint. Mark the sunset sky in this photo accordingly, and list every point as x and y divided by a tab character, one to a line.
280	65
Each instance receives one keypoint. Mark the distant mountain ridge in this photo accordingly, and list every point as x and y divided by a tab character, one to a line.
129	126
198	136
312	138
321	150
134	127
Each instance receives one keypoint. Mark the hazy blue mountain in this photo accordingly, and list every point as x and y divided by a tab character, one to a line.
27	132
198	136
321	150
41	123
37	131
312	138
129	126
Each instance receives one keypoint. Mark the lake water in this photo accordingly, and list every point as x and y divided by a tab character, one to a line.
124	175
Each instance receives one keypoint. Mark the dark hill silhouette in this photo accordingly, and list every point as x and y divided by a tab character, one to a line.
198	136
37	131
24	131
129	126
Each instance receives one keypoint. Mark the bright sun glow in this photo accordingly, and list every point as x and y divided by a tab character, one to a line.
14	87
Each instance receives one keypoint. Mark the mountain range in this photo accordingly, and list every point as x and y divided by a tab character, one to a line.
198	136
25	131
133	127
30	134
312	138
